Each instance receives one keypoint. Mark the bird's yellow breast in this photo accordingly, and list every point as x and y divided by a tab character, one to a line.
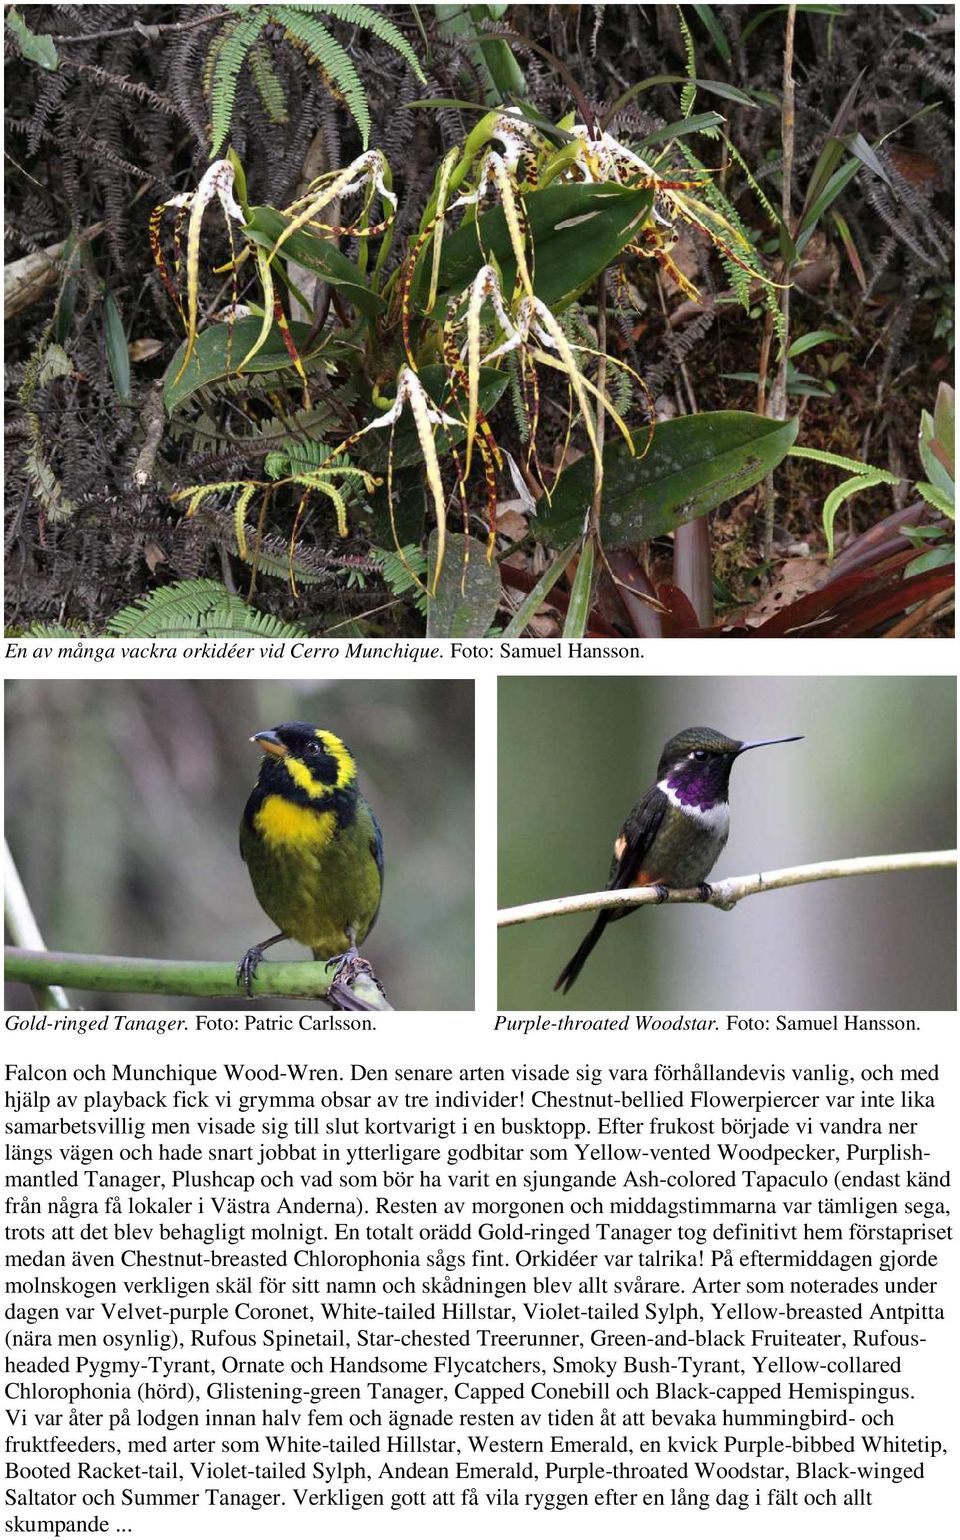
283	823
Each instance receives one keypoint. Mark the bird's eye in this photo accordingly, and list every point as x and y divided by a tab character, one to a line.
698	754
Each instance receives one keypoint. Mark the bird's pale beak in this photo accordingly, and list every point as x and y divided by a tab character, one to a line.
763	743
270	743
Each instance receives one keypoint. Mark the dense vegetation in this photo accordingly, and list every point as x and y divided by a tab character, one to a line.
604	320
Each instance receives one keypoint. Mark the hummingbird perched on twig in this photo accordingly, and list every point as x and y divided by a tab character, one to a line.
674	836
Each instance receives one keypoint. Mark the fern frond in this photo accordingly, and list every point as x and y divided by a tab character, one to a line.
195	607
381	26
232	51
403	572
689	93
269	86
309	34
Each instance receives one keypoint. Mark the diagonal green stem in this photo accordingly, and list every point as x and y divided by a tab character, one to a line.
24	929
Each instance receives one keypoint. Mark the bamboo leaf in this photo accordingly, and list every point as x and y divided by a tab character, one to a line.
694	464
116	344
578	611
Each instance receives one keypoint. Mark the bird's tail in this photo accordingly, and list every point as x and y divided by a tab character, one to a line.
571	972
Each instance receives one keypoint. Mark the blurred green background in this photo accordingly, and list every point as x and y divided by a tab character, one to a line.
124	800
875	774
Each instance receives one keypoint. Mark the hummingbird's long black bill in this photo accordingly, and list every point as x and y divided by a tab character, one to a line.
763	743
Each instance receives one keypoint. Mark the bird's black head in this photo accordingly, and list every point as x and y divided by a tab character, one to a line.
695	765
305	760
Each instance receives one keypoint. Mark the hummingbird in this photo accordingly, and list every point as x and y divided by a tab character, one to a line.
674	836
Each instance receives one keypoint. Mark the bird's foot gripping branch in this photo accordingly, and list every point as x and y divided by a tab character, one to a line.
202	980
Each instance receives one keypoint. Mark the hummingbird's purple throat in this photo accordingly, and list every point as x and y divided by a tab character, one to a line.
697	785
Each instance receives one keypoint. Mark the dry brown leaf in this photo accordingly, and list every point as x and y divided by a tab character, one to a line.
154	555
144	348
511	522
796	577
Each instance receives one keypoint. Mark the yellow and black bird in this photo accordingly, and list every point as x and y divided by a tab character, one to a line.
312	845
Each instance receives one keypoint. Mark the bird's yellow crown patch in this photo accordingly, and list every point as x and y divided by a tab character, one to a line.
301	774
282	822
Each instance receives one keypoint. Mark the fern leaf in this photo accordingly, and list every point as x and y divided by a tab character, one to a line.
323	49
223	87
269	87
381	26
195	607
689	93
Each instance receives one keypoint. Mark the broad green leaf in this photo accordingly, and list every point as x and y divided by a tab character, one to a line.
320	256
812	340
38	47
373	449
694	464
577	228
215	356
944	422
467	596
943	556
117	356
936	471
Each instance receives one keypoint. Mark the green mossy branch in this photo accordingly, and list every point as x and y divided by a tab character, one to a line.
160	976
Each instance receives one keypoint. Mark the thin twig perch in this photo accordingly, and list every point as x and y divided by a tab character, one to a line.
163	976
728	891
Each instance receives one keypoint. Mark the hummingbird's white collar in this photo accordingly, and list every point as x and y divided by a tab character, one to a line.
715	818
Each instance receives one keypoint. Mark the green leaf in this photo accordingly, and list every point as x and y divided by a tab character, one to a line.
38	47
839	495
812	340
943	556
467	596
116	343
232	44
329	56
373	449
540	593
867	156
578	611
195	607
842	462
944	422
694	464
320	256
709	20
931	494
578	229
684	126
215	356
